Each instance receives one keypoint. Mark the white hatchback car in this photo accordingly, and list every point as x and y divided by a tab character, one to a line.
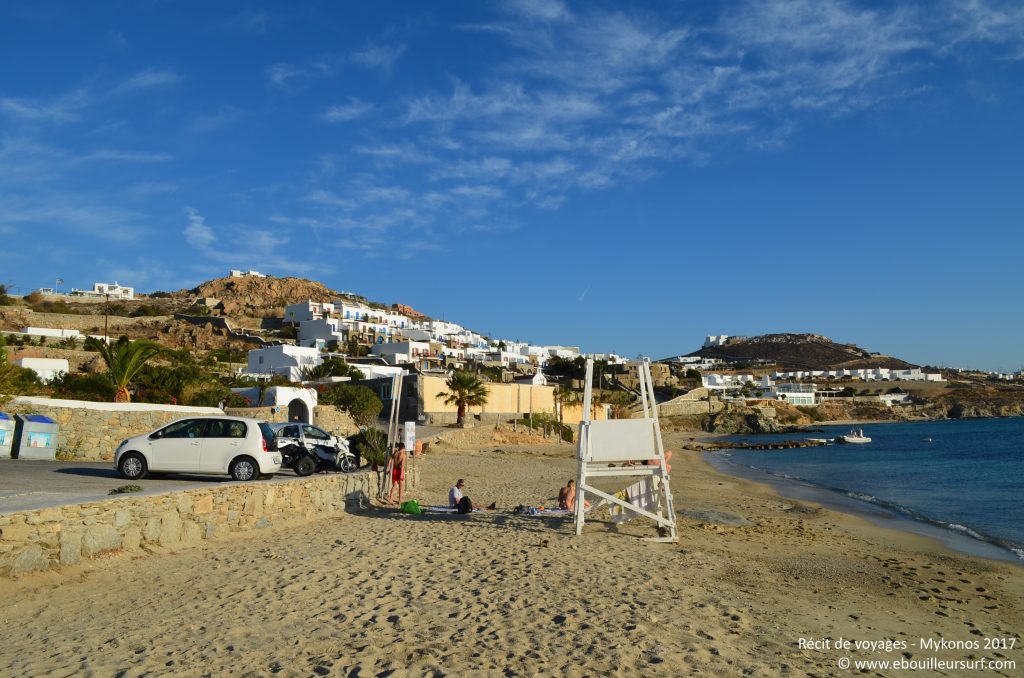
243	448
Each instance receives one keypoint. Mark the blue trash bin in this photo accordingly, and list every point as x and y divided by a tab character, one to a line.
35	437
6	435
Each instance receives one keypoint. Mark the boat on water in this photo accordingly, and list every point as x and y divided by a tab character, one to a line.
855	436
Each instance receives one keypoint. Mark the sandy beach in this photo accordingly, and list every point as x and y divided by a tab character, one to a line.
756	586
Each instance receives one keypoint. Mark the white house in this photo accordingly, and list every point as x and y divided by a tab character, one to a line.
299	402
401	352
104	290
321	333
56	332
46	368
796	394
307	310
568	352
285	360
235	273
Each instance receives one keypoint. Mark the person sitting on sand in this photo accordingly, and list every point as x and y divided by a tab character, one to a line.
397	465
457	499
455	493
567	497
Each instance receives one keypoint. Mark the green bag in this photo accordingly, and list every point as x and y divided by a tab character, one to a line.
412	506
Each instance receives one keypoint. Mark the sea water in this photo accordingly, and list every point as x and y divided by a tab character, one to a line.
964	475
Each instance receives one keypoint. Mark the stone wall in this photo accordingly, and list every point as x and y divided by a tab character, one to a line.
19	317
92	431
681	406
335	420
271	414
48	538
327	417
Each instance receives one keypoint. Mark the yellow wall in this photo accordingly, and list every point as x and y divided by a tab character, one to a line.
572	413
501	398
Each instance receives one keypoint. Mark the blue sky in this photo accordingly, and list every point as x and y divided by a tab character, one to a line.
624	177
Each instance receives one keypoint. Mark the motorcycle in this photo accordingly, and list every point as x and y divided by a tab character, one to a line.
306	457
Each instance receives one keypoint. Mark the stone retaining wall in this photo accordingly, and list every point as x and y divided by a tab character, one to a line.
327	417
93	431
334	420
44	539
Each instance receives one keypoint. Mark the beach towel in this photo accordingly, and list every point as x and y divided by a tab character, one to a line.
444	509
640	494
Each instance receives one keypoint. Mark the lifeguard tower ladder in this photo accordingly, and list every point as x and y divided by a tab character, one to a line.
613	448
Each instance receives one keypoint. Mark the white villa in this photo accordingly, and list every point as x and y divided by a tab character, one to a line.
288	361
864	374
104	290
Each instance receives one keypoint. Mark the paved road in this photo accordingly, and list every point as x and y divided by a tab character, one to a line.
26	485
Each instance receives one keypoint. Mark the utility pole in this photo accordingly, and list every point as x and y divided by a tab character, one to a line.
106	314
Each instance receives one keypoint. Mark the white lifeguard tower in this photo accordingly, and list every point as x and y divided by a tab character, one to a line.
626	448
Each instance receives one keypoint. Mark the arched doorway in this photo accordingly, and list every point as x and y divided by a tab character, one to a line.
298	411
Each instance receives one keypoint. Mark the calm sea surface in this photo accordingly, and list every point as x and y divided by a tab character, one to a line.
966	475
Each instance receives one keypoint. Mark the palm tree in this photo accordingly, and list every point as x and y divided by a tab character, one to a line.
124	359
464	390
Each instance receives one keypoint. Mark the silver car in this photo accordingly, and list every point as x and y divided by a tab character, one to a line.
240	447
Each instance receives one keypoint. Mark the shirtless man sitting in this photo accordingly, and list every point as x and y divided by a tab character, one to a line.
567	497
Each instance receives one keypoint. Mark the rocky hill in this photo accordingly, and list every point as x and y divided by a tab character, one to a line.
799	352
257	297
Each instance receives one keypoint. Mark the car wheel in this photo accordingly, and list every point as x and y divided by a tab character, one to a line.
244	468
347	465
132	466
304	466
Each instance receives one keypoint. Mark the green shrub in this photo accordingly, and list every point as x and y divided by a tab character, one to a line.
92	387
372	445
543	420
147	310
359	401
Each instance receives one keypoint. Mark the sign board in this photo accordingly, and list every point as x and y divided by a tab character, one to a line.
409	435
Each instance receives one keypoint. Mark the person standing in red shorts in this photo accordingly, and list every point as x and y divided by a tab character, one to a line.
397	465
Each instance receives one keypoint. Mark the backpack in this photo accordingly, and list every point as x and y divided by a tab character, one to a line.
464	506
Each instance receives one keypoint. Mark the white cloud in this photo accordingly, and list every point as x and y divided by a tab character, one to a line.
547	10
379	57
115	155
281	75
66	108
347	112
197	233
149	79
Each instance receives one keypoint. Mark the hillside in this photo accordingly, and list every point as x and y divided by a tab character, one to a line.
257	297
799	352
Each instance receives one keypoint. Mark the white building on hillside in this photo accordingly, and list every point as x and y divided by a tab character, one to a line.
321	333
57	332
797	394
236	273
713	340
406	352
46	368
308	310
285	360
104	290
